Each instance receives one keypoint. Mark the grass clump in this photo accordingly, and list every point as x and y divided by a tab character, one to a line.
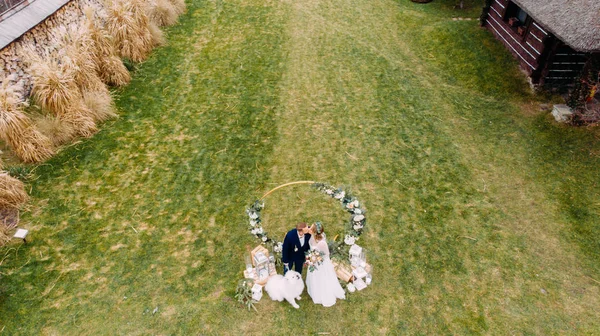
18	130
110	67
100	104
163	12
127	21
179	6
158	37
55	90
80	52
12	191
56	129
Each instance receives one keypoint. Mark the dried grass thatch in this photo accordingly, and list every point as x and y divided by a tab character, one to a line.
18	131
9	218
179	6
163	12
12	191
111	69
127	21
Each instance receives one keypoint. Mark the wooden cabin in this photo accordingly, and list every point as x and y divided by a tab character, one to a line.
552	39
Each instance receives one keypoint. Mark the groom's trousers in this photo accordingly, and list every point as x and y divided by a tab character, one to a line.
296	265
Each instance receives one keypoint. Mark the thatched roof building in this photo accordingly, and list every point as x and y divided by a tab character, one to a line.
575	22
552	39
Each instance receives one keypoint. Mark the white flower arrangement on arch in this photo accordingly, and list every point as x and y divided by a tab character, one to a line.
353	228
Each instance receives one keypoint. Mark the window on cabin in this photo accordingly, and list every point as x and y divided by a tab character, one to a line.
517	18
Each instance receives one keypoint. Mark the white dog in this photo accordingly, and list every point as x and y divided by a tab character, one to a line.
288	287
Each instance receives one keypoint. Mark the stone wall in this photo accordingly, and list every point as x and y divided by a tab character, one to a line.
39	38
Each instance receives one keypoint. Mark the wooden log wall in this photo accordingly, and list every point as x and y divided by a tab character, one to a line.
529	48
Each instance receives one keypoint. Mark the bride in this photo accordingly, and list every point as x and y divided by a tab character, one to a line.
322	283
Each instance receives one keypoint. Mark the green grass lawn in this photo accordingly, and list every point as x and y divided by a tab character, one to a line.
483	212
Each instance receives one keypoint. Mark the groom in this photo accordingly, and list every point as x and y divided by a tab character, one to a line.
295	245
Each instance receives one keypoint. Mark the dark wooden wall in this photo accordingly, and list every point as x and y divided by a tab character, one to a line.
563	67
528	49
547	60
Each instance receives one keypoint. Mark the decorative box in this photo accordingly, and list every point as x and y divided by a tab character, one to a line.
359	272
250	274
257	292
367	267
359	284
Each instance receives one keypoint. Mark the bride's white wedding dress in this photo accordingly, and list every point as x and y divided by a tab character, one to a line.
322	283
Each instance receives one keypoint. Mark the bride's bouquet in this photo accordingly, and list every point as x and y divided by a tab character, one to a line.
314	258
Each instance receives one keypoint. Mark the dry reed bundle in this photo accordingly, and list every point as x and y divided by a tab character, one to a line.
80	49
54	85
26	141
179	6
111	69
163	12
12	191
18	131
55	90
128	23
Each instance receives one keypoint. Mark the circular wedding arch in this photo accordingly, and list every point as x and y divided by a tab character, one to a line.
354	227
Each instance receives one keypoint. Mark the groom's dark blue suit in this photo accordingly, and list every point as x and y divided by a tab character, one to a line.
293	253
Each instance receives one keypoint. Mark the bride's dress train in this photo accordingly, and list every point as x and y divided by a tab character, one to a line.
322	284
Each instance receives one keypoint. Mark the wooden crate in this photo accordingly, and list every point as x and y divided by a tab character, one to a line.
343	273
